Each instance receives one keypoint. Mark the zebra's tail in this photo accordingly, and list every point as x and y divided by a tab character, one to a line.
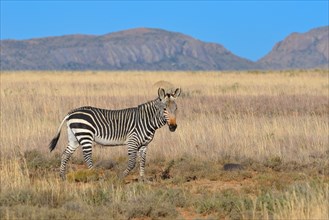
54	141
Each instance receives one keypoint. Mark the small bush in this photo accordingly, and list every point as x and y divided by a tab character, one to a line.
37	160
11	198
224	204
155	204
84	176
97	196
37	212
274	163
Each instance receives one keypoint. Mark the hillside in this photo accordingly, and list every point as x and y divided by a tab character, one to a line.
156	49
138	49
300	50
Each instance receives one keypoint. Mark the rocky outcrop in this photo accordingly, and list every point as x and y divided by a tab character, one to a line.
300	50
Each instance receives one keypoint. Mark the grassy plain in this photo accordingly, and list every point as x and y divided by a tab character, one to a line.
275	124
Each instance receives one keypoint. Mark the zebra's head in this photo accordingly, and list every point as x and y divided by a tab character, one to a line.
169	107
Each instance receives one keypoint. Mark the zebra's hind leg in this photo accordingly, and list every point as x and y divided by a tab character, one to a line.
87	152
72	146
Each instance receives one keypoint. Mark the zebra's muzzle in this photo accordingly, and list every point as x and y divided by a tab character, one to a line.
172	128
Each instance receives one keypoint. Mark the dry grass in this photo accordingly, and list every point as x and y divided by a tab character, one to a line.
275	123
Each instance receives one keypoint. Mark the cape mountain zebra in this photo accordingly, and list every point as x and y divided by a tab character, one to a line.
134	127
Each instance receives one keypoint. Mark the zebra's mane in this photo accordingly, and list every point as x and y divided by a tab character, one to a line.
152	102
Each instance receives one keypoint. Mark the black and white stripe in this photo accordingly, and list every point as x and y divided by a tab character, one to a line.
134	127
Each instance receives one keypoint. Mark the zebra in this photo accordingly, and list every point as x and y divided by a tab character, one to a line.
134	127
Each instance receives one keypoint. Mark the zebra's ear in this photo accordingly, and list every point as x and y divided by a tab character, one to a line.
177	92
161	93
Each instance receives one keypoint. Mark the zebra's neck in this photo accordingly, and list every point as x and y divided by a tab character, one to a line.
151	114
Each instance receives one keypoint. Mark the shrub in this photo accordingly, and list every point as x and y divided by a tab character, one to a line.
84	175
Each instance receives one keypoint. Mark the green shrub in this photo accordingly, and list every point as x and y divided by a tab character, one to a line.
84	176
223	204
155	204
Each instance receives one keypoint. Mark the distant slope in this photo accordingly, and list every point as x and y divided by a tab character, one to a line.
135	49
306	50
156	49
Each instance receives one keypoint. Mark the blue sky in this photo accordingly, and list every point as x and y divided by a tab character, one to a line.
247	28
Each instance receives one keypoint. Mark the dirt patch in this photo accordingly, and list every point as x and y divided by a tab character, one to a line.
190	214
202	185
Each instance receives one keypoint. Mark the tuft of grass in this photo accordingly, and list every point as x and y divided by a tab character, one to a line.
166	172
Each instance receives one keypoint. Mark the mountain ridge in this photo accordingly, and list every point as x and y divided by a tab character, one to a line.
150	49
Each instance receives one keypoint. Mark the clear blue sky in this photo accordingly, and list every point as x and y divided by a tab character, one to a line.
247	28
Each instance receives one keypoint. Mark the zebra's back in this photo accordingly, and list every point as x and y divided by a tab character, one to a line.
107	127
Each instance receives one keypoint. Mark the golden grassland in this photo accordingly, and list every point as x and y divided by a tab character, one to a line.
273	123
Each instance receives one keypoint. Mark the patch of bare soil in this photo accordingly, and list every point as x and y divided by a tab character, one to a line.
190	214
201	185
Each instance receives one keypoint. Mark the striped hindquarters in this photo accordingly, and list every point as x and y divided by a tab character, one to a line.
107	127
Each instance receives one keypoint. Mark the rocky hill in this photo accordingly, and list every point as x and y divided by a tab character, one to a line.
156	49
300	50
135	49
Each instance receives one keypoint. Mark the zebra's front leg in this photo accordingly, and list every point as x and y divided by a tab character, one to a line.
132	154
142	154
